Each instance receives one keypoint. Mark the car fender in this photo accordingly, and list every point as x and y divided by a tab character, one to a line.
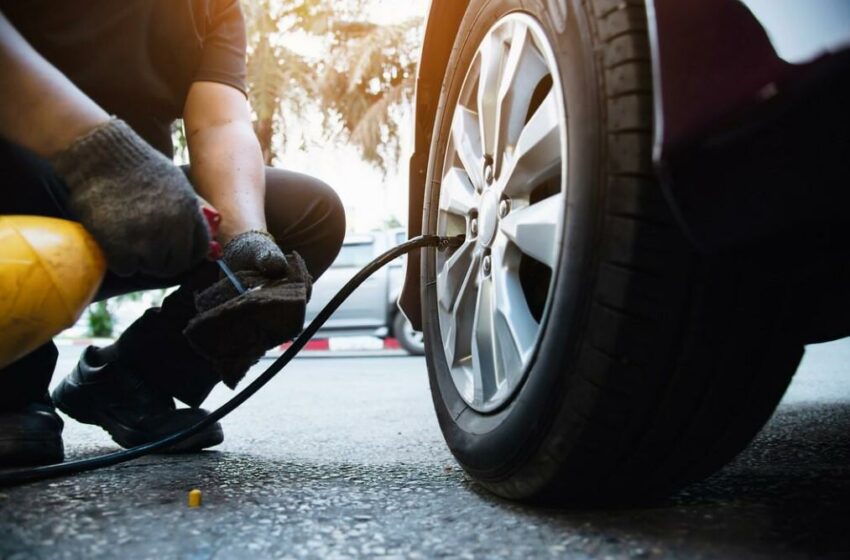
443	20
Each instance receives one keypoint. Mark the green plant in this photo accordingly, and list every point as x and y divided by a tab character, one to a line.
100	321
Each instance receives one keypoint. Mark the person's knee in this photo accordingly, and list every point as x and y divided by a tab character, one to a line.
305	215
335	220
330	226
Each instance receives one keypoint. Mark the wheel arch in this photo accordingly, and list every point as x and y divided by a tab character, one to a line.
443	21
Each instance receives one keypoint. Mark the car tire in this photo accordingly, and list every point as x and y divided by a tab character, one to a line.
653	365
409	339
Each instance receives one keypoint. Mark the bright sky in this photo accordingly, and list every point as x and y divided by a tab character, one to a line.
368	197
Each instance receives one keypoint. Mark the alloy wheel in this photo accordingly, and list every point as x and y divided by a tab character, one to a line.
503	188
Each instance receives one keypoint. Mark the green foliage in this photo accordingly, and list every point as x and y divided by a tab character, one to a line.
100	321
392	222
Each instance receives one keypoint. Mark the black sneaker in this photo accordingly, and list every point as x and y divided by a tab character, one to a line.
111	395
30	436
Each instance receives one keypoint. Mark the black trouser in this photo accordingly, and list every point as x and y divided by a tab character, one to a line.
303	214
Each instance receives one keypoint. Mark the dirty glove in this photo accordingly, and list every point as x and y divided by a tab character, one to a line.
255	251
136	203
233	331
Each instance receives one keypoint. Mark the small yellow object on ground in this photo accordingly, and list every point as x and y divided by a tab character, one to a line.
194	498
50	270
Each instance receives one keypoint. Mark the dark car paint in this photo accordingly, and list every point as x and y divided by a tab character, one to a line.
749	146
440	30
715	60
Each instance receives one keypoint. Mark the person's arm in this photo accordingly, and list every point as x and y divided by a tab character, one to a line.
137	204
226	162
40	109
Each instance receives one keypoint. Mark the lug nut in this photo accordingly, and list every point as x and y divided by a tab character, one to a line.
487	265
473	227
504	208
488	169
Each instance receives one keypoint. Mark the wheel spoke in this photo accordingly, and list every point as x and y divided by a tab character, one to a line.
466	137
483	356
515	328
492	54
538	151
512	211
459	338
457	195
524	69
454	273
534	229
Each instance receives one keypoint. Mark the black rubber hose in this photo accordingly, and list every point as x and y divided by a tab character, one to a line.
22	476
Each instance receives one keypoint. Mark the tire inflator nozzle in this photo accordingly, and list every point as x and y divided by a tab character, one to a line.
213	220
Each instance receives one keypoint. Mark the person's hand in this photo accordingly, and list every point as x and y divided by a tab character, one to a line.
255	251
139	206
234	330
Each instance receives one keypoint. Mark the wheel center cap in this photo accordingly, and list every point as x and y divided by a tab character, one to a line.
488	217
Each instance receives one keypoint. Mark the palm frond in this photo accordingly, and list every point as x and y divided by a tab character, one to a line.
368	71
367	135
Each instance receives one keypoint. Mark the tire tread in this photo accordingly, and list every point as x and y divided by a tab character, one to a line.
660	432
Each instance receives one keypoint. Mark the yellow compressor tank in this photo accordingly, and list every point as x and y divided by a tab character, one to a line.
50	270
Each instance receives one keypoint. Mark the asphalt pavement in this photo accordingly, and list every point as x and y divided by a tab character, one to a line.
342	457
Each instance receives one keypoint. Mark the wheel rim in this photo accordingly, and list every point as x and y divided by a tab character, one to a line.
503	187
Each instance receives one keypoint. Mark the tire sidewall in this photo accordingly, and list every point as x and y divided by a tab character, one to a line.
493	446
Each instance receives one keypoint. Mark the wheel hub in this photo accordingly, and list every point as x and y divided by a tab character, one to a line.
488	217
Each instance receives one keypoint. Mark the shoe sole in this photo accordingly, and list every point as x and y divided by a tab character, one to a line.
68	397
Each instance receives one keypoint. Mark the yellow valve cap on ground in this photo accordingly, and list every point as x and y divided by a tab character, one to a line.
50	270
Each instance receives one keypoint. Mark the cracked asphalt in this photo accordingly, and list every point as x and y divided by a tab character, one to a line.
343	458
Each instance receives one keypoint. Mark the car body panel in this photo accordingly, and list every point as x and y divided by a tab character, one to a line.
750	135
750	117
714	60
441	25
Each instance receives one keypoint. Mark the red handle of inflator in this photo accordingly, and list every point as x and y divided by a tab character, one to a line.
213	221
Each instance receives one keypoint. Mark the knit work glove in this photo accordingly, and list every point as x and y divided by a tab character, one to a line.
255	251
234	330
136	203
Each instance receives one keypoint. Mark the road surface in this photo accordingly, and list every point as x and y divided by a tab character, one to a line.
342	457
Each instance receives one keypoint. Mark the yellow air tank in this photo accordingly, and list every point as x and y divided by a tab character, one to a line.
50	270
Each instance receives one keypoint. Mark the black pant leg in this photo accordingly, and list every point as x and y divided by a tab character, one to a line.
304	215
26	380
29	188
154	345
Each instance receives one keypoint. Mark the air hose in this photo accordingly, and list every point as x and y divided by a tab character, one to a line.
22	476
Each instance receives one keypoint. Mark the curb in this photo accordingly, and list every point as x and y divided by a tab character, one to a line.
342	344
333	344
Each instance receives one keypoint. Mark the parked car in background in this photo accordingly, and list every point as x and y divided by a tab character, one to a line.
372	309
653	196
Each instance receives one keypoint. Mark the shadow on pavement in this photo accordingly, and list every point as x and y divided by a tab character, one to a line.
786	495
